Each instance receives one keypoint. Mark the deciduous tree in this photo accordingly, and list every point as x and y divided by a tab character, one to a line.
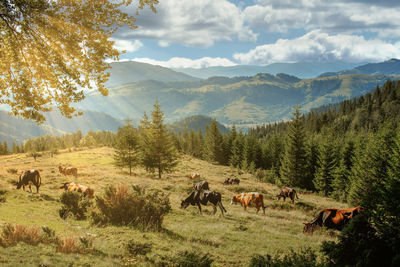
51	51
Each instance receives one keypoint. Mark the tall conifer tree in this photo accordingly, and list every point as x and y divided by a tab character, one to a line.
158	150
294	163
127	147
213	143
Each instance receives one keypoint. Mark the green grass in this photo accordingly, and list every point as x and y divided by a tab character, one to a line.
229	240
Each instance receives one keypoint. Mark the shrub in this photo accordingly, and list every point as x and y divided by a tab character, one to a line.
191	259
74	203
135	249
68	245
121	206
304	258
11	235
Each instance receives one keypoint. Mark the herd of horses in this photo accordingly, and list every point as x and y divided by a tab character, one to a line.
329	218
32	177
202	195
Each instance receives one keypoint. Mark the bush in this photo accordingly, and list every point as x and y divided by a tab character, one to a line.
119	206
135	249
71	245
304	258
12	234
192	259
75	204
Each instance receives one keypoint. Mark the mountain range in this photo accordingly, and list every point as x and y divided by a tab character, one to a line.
298	69
242	100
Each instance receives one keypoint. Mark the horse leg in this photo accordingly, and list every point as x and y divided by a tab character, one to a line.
215	208
199	205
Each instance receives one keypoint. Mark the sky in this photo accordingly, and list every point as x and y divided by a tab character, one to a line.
204	33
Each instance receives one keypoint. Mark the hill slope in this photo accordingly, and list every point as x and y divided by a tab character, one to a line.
240	100
195	122
299	69
131	71
15	129
229	240
389	67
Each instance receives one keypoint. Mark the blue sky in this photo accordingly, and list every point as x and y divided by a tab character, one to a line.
202	33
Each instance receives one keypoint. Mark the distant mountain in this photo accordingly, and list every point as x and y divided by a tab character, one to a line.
195	122
88	121
299	69
243	101
131	71
18	130
389	67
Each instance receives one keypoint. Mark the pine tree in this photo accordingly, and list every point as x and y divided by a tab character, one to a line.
326	166
342	173
213	143
158	150
371	168
237	151
6	151
127	147
294	163
312	162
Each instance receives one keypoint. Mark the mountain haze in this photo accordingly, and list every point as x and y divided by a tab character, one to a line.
389	67
239	100
15	129
131	71
299	69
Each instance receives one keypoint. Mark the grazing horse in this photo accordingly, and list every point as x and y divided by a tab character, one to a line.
249	199
202	198
203	185
232	181
331	218
287	192
85	190
29	177
68	170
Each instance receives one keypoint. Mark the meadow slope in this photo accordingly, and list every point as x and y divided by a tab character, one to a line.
230	240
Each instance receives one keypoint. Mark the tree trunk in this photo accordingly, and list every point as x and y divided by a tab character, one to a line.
159	173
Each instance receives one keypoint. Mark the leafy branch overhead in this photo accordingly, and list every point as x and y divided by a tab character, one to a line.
52	50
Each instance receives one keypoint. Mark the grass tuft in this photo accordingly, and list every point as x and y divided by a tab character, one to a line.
134	248
12	170
189	259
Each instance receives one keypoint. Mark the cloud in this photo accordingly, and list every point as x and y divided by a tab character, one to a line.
192	23
179	62
354	16
127	45
320	46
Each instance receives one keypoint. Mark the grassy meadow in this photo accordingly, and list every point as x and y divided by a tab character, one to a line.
229	240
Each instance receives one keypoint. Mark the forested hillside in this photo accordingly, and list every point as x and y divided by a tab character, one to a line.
240	100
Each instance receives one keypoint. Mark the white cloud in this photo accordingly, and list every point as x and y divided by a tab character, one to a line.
163	44
127	45
319	46
326	15
192	23
179	62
